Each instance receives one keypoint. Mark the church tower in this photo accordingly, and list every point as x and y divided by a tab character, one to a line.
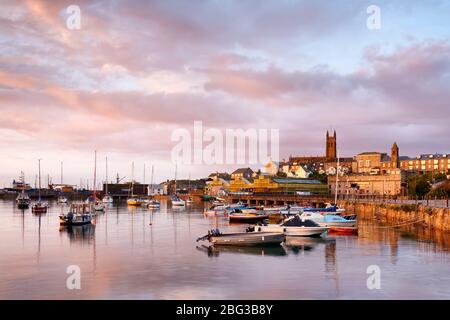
395	159
331	147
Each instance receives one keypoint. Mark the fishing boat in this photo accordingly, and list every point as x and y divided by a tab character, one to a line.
23	199
294	226
189	200
107	199
246	215
79	214
39	207
243	238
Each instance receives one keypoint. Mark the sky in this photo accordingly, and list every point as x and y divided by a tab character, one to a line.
136	71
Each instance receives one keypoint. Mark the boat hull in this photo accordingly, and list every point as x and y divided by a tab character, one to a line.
39	210
338	224
293	231
344	230
248	218
248	239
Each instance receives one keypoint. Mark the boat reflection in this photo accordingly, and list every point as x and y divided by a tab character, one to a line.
79	233
302	244
215	251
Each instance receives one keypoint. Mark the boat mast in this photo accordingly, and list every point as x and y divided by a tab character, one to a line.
106	189
337	180
62	172
132	179
176	167
23	183
95	176
151	183
39	161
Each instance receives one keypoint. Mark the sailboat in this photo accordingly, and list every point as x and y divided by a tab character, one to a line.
177	201
98	205
39	207
133	200
107	198
189	200
23	200
62	198
152	202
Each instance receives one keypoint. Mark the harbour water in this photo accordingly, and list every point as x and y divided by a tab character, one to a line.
134	253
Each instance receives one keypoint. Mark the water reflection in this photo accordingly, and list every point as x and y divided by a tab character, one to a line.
141	253
82	234
215	251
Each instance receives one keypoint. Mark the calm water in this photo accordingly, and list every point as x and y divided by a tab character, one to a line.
122	256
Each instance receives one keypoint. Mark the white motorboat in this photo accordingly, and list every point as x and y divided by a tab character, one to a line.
153	203
107	199
243	238
177	202
62	199
294	226
329	220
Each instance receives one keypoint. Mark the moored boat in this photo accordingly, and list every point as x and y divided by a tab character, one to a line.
344	230
329	220
62	199
177	201
136	201
23	200
243	238
39	207
153	203
246	215
79	214
294	226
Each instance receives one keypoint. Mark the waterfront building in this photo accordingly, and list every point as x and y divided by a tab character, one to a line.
392	183
217	186
265	184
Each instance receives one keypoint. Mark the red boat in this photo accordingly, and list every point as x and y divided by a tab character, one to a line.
39	208
343	230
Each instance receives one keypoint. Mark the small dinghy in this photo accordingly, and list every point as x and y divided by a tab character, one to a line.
344	230
243	238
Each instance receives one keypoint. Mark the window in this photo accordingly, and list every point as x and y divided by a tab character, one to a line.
367	163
